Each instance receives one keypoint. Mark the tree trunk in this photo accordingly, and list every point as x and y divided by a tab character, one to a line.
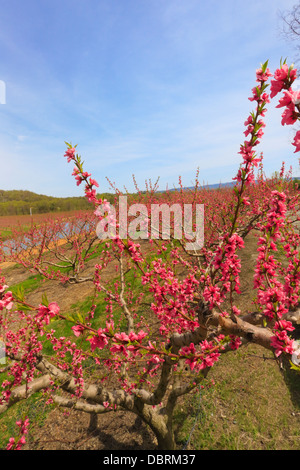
166	441
93	423
160	424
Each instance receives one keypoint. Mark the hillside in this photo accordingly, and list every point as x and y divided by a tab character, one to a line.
22	202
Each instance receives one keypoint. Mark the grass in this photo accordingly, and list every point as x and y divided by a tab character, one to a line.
252	406
34	408
5	234
28	285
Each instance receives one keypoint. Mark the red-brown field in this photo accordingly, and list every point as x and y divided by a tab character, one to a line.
9	221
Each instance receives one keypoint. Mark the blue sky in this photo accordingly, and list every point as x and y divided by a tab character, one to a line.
154	88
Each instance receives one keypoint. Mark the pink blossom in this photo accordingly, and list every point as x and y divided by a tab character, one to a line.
282	343
70	153
94	183
284	325
246	201
286	100
263	76
11	443
137	337
79	179
6	301
48	312
289	116
90	194
78	330
17	445
248	121
209	360
281	73
122	336
296	142
98	341
276	87
53	308
119	348
2	288
235	342
255	94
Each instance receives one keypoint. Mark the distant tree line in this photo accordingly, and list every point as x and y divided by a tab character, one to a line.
21	202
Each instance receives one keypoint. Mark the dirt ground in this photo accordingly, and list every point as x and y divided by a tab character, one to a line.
113	431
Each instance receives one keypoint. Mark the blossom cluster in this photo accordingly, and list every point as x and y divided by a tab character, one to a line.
207	355
81	176
47	312
281	342
6	298
14	444
283	80
171	298
254	128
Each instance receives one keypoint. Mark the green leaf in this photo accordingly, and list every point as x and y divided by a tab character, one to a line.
294	367
23	307
45	300
282	63
80	318
264	66
237	192
19	294
258	90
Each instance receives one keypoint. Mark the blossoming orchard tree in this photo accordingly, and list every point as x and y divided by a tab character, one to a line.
58	248
169	313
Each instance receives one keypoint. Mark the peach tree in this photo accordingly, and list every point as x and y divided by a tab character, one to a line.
169	308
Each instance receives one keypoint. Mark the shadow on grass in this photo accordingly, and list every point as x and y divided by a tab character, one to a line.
292	377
